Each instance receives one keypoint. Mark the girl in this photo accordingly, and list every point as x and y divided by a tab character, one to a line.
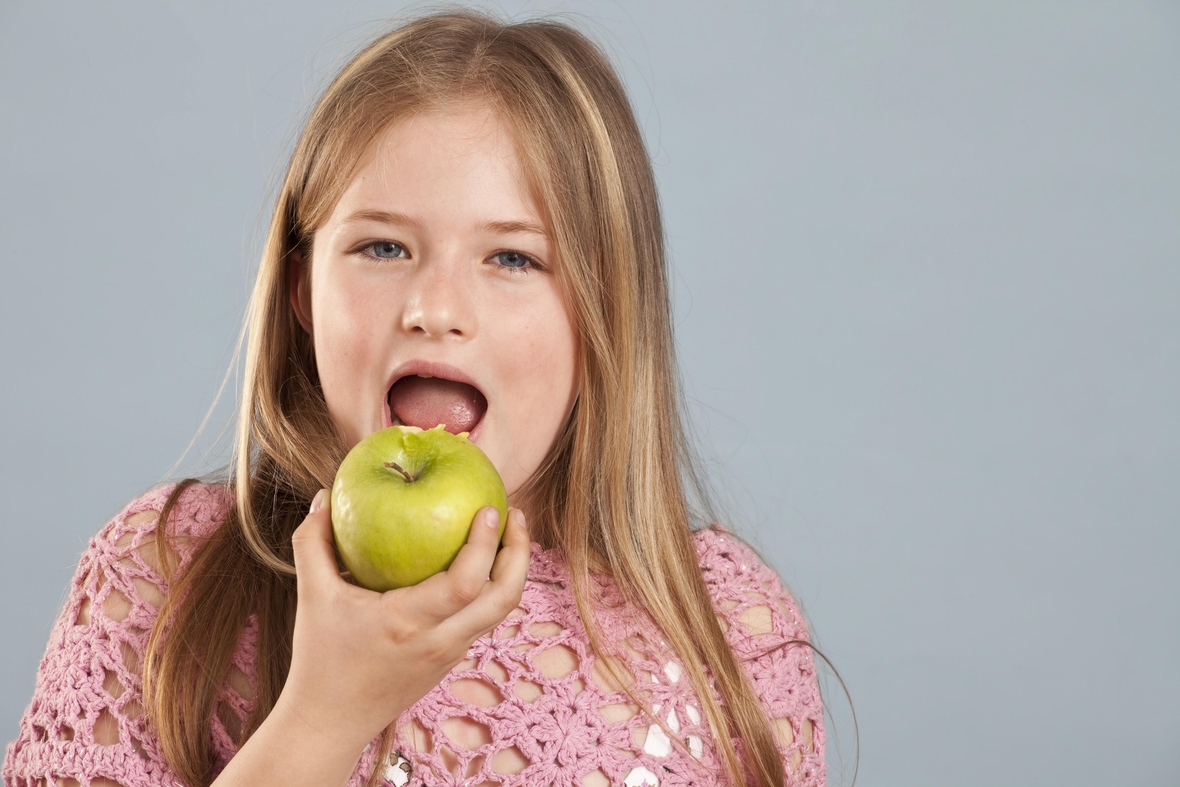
468	233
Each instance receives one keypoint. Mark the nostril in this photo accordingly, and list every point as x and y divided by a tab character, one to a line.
439	310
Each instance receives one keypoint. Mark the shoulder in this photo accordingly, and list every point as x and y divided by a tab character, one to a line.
129	546
129	555
767	631
197	512
86	717
748	594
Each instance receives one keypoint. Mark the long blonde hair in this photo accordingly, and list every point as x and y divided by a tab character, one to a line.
613	494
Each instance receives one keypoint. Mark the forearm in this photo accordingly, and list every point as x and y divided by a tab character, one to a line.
349	642
288	750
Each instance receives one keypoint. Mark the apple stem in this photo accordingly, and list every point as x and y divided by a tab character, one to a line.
397	467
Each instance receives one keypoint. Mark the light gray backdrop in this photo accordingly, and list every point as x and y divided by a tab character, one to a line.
927	284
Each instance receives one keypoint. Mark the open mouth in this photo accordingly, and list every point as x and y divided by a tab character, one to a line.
425	402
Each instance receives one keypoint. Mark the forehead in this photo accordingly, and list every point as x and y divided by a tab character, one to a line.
460	163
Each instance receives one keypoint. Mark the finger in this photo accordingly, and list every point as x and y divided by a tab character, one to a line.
312	542
444	594
476	556
512	561
502	594
469	570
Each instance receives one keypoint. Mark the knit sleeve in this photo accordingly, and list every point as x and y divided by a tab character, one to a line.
767	631
86	725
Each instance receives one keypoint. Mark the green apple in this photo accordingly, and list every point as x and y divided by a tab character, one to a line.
403	502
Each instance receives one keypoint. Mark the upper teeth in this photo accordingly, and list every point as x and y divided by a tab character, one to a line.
426	375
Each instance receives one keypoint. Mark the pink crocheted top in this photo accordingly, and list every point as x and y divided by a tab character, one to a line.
529	706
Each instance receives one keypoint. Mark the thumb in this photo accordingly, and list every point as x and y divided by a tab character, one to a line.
312	542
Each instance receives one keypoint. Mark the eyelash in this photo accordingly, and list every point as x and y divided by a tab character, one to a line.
530	263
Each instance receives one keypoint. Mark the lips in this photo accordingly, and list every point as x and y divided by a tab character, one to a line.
426	395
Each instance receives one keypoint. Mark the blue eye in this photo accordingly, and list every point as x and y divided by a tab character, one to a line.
515	261
387	250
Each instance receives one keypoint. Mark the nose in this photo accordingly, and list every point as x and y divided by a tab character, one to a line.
439	303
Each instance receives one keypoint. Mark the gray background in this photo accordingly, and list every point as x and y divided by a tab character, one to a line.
927	282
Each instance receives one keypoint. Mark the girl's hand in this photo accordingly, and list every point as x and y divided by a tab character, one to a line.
359	657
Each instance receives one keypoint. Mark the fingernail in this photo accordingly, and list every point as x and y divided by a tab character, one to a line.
492	520
520	518
317	502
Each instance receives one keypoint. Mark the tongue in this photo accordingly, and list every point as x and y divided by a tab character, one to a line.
426	402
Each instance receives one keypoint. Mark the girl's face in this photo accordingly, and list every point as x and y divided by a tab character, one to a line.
435	266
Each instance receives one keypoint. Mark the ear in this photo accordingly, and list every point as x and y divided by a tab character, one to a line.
299	289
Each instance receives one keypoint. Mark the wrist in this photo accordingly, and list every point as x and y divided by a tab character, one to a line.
290	750
322	729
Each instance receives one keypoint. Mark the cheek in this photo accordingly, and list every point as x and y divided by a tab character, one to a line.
349	344
546	367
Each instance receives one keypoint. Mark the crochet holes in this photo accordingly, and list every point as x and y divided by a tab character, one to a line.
106	729
610	681
641	777
618	713
757	620
116	606
531	703
509	761
596	778
238	681
129	656
510	627
112	686
696	746
419	737
115	596
230	721
94	583
231	706
145	517
727	605
653	740
476	692
556	661
546	629
785	731
640	650
135	744
527	690
466	734
136	562
147	591
454	747
133	710
496	671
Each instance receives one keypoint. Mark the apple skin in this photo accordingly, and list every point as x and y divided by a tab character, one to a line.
392	532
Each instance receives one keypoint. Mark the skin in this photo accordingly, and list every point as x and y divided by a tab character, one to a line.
460	219
457	290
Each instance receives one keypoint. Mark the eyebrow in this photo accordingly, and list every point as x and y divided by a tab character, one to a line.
393	217
381	216
507	227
